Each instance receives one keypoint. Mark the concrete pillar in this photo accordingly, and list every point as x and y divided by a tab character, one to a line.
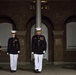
38	13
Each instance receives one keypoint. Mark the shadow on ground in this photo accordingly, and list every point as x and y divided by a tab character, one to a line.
69	66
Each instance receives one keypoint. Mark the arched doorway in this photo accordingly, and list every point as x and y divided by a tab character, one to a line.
47	24
6	24
70	40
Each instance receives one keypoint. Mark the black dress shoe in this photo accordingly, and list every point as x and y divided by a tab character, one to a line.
13	71
39	72
36	71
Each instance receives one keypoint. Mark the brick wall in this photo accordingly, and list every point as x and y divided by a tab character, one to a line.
20	13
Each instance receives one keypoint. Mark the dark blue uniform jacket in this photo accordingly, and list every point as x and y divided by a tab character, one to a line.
13	46
38	44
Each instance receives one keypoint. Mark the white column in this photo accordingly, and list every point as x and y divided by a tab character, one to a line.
38	13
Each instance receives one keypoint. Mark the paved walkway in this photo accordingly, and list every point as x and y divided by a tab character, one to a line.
47	70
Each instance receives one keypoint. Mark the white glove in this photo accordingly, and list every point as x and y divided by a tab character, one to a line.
43	51
7	53
32	53
18	51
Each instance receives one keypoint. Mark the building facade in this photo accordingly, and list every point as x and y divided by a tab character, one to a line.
55	17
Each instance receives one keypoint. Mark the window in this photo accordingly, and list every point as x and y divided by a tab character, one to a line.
71	35
5	33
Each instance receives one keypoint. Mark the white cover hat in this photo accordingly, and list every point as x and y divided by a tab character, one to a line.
38	28
13	31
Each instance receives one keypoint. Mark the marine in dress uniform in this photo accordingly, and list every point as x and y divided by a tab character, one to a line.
38	49
13	50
